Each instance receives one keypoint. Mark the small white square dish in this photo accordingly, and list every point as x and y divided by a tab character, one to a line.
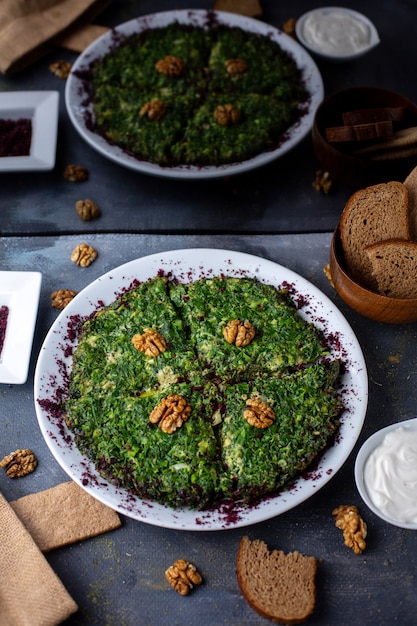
19	293
41	107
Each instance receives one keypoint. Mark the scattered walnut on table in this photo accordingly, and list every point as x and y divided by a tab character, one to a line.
348	519
87	209
61	297
258	413
83	255
327	272
170	66
226	114
61	69
19	463
182	576
170	413
76	173
323	181
151	343
154	109
235	67
289	27
239	333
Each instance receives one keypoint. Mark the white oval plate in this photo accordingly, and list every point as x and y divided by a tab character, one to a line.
81	113
54	364
364	453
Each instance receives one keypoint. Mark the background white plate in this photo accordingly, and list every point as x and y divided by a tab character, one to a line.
42	108
80	113
19	291
54	364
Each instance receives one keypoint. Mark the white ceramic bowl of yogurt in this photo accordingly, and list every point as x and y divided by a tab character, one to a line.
386	473
336	33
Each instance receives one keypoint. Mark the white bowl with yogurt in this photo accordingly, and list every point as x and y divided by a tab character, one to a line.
386	473
336	33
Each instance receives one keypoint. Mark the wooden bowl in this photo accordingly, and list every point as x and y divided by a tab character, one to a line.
364	301
338	159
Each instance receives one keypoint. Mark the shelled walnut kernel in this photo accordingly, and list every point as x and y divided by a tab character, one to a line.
258	413
154	109
61	69
323	181
235	67
348	519
226	114
151	343
87	209
170	413
19	463
182	576
239	333
83	255
61	297
76	173
170	66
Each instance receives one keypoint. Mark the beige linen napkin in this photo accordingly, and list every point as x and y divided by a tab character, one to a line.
28	27
31	594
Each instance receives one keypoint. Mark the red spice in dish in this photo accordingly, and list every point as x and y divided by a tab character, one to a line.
4	314
15	137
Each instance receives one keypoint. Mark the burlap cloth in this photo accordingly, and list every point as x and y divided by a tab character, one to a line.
30	592
29	29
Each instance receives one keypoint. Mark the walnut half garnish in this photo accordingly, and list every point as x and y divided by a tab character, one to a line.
76	173
226	114
258	413
87	209
83	255
235	67
170	413
151	343
348	519
19	463
239	333
61	297
154	109
170	66
182	576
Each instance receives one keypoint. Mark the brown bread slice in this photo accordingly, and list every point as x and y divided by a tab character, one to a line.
371	215
411	184
278	586
394	266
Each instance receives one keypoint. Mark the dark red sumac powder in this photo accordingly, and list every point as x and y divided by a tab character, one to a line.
15	137
4	314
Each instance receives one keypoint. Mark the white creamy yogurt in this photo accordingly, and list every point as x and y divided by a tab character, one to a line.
390	475
336	32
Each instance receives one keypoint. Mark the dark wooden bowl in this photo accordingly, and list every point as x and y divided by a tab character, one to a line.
367	303
338	159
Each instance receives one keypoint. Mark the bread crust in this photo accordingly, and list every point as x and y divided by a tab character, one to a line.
279	569
411	184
